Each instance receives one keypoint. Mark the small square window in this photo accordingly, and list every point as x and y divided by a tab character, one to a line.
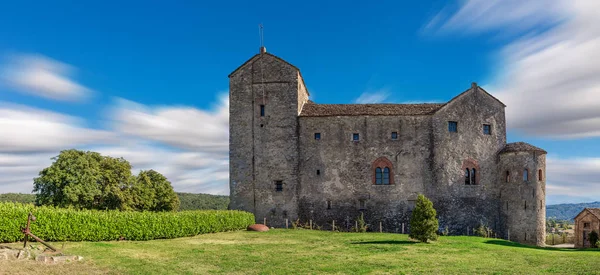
317	136
586	225
362	204
394	135
318	172
278	186
355	137
487	129
452	126
262	110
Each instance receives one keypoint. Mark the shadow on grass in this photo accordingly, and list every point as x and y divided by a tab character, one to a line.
385	242
515	244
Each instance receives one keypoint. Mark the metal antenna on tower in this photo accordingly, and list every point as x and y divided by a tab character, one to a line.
261	36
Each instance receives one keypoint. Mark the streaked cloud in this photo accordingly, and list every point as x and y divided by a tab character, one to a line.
549	74
572	180
42	76
378	96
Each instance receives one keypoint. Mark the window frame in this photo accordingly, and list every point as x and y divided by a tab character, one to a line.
540	175
489	128
278	186
355	137
394	136
378	176
262	110
467	176
453	129
525	175
317	136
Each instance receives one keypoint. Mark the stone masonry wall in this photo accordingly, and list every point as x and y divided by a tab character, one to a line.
463	207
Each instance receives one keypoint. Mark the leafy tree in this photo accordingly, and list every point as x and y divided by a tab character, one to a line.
191	201
153	192
423	223
84	180
89	180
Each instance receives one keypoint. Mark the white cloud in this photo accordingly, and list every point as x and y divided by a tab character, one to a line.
572	180
378	96
187	145
42	76
548	79
182	127
25	129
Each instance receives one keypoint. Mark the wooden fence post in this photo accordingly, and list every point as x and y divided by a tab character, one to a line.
402	228
380	229
265	221
333	227
356	225
310	224
286	223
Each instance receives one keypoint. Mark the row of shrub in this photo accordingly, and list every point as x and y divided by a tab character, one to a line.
60	224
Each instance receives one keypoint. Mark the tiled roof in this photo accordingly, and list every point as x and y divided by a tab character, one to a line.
521	147
313	110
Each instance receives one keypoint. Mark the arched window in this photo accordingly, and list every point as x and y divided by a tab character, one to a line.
467	176
507	176
473	174
381	169
540	176
386	175
525	175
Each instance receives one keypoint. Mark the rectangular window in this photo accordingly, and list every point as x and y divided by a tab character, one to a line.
586	225
262	110
328	204
318	172
452	126
355	137
394	135
278	186
362	204
317	136
487	129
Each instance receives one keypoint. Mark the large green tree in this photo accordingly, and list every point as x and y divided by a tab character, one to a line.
423	223
84	179
153	192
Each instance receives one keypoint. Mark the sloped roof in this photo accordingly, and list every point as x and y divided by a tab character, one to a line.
521	147
258	55
320	110
593	211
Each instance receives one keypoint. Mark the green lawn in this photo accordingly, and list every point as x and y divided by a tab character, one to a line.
316	252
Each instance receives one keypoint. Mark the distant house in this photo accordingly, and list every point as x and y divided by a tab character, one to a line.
585	222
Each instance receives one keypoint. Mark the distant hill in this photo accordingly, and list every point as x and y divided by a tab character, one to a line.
568	211
188	201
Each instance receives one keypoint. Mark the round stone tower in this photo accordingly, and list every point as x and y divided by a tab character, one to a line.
523	193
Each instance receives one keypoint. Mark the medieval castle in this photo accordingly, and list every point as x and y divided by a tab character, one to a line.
291	158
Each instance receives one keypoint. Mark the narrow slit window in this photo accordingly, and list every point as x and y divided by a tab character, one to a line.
328	204
394	135
525	175
386	175
452	126
378	176
540	176
355	137
317	136
473	174
507	176
362	204
278	186
262	110
318	172
487	129
467	176
525	206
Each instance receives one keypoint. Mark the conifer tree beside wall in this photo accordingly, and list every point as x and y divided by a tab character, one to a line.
423	223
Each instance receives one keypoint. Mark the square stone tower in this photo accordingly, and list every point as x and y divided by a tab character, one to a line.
266	95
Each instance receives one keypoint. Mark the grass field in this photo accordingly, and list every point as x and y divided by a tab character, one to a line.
314	252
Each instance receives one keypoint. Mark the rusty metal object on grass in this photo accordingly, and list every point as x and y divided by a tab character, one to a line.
27	232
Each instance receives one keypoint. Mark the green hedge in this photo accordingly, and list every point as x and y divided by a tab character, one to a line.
59	224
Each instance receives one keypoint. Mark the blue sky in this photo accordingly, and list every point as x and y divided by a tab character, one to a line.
148	80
